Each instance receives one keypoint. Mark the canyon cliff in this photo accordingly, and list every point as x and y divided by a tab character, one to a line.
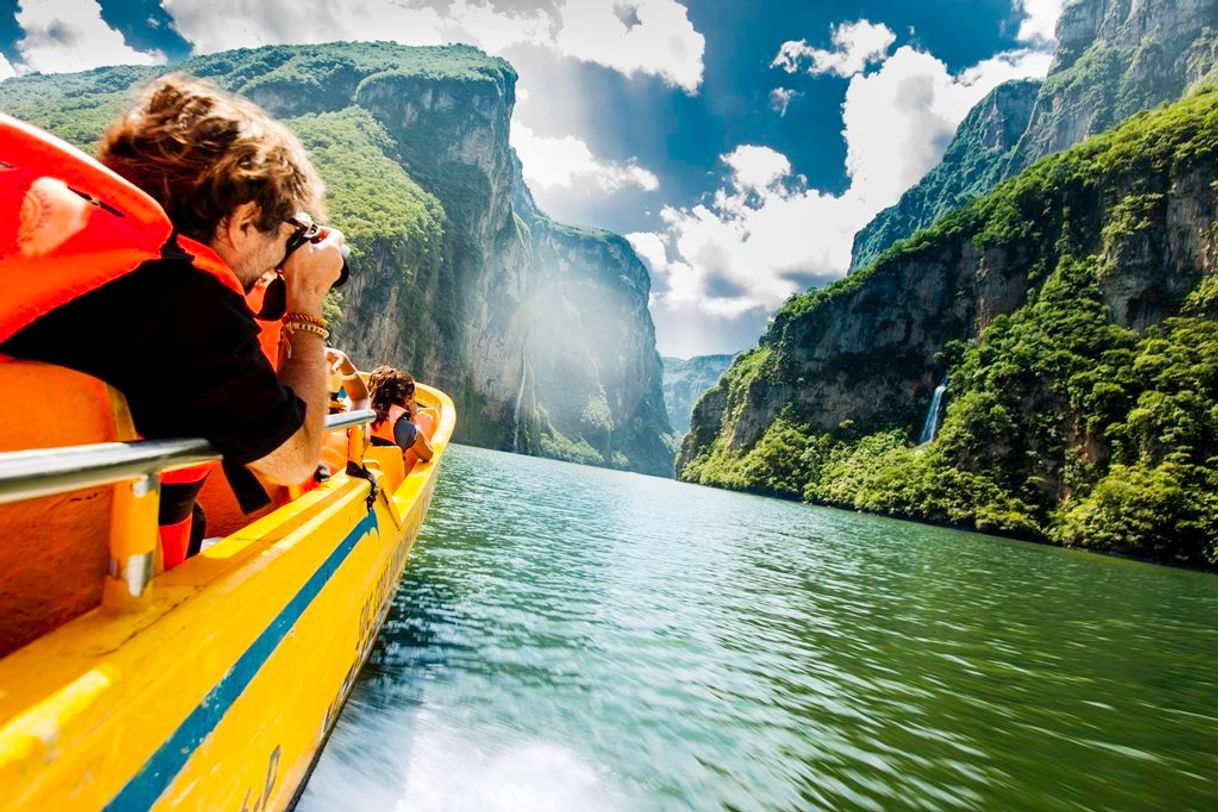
1113	59
684	381
540	331
1071	310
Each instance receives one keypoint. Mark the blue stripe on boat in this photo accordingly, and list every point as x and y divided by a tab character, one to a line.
142	791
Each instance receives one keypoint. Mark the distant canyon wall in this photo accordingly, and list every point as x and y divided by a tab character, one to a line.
1113	59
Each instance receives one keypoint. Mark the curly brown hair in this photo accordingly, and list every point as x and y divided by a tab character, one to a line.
201	152
387	387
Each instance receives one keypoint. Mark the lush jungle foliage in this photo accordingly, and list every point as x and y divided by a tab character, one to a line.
1061	424
1091	88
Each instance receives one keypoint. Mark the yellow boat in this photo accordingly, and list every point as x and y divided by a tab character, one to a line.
212	685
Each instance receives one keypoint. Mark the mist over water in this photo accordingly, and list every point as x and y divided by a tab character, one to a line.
575	638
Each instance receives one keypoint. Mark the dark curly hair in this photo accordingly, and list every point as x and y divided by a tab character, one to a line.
388	387
201	152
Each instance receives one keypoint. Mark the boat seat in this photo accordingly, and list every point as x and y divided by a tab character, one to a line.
54	550
224	516
388	460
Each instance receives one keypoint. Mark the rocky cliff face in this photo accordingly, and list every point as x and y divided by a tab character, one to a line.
973	164
685	379
1072	310
1114	58
539	331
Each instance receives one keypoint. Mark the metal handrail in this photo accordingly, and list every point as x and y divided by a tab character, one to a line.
345	420
46	471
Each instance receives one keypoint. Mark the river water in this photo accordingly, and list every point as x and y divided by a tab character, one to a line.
571	638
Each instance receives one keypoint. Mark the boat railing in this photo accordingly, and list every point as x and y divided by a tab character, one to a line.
133	515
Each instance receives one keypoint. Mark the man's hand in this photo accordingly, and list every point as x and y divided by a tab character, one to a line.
311	271
308	274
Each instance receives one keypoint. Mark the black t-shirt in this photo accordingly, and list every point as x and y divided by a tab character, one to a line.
184	350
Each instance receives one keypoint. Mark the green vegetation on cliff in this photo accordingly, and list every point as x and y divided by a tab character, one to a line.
369	193
1111	62
539	331
1087	414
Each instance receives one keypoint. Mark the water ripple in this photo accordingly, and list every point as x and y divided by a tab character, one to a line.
573	638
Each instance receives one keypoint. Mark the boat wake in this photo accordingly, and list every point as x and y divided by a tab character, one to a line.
438	769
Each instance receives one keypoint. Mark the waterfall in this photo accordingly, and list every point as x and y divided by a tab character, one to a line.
524	374
932	417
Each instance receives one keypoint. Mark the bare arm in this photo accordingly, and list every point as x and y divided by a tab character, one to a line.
309	273
357	390
422	446
354	385
305	374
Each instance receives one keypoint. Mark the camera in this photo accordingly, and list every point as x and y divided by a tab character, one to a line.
275	299
308	231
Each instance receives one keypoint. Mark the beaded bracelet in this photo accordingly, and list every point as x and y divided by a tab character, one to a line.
306	318
306	327
290	327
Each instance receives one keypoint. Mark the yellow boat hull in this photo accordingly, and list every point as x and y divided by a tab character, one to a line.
221	690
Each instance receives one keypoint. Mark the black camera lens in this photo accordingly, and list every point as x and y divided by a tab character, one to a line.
346	271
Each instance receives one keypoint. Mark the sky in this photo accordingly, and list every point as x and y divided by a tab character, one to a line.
738	145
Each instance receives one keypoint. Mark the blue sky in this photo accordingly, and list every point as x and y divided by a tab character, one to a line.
737	144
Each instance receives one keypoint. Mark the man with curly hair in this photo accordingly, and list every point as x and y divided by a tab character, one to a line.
176	334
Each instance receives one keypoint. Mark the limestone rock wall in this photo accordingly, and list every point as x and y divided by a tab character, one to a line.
1113	59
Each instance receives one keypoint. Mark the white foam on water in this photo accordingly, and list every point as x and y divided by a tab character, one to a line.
445	770
536	776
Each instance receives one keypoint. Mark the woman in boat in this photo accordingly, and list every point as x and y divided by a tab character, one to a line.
398	419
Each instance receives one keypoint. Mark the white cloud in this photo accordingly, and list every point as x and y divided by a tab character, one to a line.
495	30
899	119
567	162
756	167
780	99
1039	23
764	235
6	68
217	25
659	39
70	35
663	41
856	45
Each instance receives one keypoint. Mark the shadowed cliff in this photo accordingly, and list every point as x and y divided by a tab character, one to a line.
539	331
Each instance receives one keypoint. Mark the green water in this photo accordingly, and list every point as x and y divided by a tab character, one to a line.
569	638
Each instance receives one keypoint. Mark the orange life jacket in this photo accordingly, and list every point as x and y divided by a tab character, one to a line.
424	420
70	226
